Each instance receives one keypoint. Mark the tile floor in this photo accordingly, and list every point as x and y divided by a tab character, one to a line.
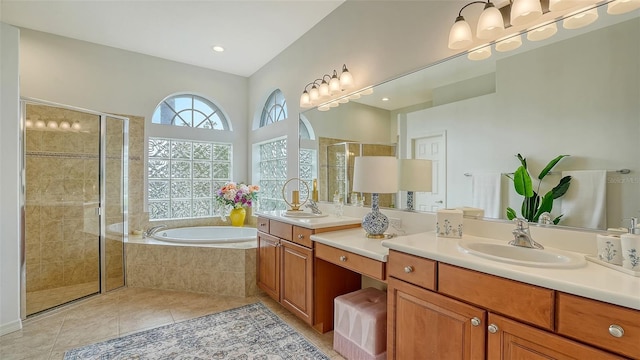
125	311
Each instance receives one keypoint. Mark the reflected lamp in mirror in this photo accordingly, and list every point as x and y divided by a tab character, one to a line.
375	175
415	176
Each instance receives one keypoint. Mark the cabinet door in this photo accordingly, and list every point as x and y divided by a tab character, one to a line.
509	339
297	279
268	265
425	325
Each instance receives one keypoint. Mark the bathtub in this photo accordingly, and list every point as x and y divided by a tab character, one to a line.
207	235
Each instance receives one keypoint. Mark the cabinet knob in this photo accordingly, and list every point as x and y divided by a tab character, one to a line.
343	258
408	269
263	224
300	236
616	330
493	328
475	321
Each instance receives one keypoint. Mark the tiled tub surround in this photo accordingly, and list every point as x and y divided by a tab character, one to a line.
222	270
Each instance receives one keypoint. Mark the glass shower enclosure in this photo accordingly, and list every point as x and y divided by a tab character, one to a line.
74	203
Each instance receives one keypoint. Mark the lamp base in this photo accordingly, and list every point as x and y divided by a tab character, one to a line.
375	223
376	236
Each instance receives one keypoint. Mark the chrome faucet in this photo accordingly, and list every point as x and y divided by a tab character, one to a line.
152	230
522	237
313	206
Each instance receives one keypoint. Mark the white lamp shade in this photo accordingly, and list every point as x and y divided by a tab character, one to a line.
490	24
525	11
314	94
416	175
581	19
460	35
622	6
334	85
375	174
480	53
324	90
346	80
509	44
305	101
543	32
324	108
559	5
334	104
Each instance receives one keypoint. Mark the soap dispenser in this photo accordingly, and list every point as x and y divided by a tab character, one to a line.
633	229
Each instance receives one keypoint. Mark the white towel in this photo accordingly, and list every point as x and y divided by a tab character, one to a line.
585	203
486	192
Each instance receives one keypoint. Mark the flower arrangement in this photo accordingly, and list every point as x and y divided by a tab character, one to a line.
237	195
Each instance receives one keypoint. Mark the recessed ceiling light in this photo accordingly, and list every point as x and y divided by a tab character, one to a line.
385	99
218	48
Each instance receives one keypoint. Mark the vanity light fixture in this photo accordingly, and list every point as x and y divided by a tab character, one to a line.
580	19
327	86
559	5
510	43
65	125
622	6
525	11
542	32
480	53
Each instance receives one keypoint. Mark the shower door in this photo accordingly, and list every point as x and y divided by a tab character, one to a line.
74	192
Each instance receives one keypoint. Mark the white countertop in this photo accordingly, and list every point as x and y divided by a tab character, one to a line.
312	222
355	241
592	281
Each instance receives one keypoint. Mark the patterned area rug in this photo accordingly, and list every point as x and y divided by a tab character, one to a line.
248	332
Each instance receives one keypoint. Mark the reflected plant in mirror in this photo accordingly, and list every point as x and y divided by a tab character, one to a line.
533	206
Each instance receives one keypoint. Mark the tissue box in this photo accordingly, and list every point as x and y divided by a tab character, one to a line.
449	223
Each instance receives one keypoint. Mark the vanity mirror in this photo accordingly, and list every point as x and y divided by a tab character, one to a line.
577	93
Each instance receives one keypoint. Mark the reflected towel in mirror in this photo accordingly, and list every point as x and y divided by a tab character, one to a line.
485	193
585	203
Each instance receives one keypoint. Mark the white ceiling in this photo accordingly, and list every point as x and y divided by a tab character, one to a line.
252	32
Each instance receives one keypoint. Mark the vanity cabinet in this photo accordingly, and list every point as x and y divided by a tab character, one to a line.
285	270
466	314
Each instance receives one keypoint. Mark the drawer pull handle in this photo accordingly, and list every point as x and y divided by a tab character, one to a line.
493	328
475	321
408	269
616	330
343	258
300	236
263	224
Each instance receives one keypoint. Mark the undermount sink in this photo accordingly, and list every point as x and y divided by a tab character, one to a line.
302	214
549	258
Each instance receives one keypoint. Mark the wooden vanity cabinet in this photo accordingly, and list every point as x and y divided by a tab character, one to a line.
514	320
285	269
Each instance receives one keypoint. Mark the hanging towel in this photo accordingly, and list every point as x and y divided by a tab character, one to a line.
585	203
486	192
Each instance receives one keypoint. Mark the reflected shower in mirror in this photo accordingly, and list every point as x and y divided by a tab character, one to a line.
576	94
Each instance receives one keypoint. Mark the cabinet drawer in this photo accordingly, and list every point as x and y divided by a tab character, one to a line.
589	321
413	269
522	301
302	236
280	229
263	225
358	263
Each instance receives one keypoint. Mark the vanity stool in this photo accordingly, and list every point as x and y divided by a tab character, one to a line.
360	325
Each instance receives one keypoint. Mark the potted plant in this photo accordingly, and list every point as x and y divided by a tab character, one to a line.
533	206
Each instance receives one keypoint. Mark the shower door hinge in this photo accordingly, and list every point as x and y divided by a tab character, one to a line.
98	211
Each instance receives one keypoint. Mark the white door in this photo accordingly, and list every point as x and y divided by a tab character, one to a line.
434	148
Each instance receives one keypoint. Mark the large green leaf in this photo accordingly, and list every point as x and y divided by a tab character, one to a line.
511	214
557	220
545	205
550	166
523	161
562	187
522	182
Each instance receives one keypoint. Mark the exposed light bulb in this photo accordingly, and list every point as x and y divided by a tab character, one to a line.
460	34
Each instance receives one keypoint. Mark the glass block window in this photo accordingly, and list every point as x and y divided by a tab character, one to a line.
308	170
273	174
183	175
275	109
190	111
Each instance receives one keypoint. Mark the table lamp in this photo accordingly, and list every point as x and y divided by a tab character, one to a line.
375	175
415	175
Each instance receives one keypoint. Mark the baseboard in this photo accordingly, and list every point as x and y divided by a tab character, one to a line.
10	327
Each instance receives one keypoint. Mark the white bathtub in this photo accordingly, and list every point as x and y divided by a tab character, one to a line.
207	235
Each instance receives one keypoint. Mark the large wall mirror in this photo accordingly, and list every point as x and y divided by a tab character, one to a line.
577	93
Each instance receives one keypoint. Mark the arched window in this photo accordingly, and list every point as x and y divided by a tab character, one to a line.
191	111
275	109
